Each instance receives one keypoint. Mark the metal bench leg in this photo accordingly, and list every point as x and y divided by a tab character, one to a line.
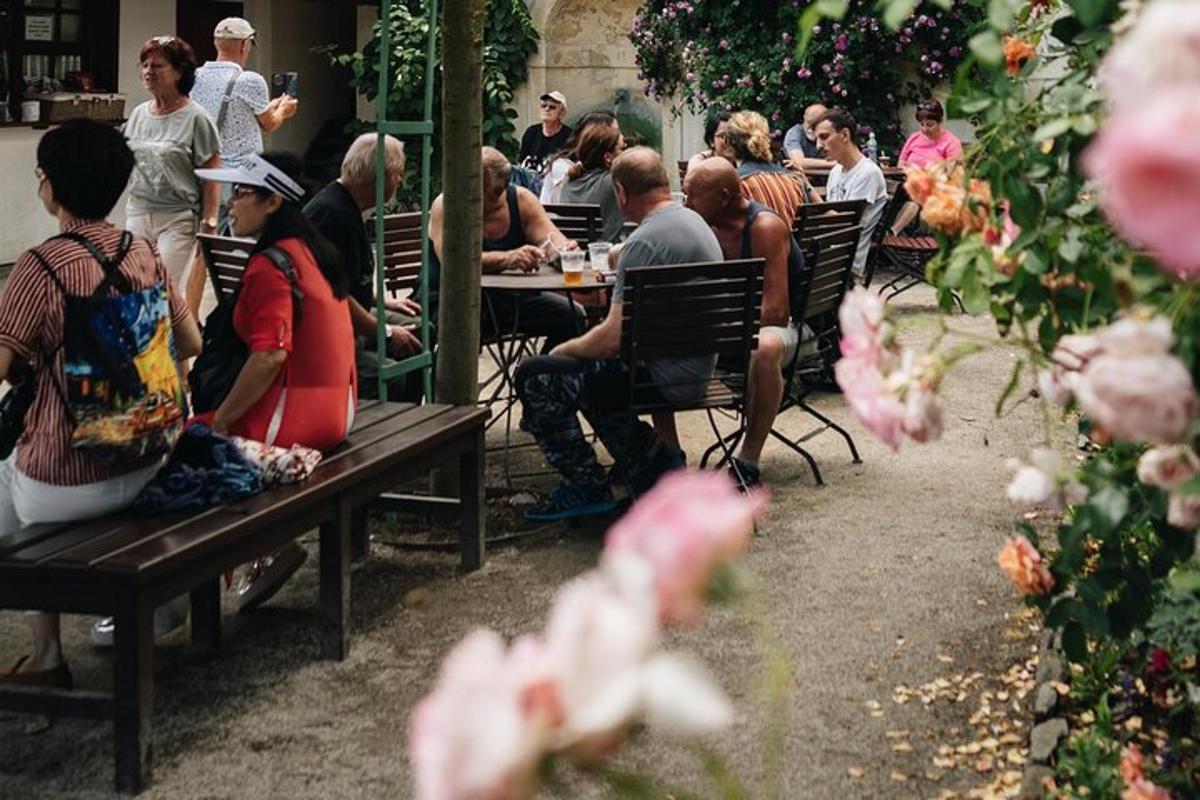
834	426
812	462
206	614
471	509
133	695
335	584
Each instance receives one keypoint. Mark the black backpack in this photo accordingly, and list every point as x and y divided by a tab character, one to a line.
219	363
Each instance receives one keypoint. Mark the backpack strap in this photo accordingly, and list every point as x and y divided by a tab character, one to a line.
283	262
225	101
112	273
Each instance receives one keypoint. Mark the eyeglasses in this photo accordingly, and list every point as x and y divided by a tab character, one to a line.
240	191
550	106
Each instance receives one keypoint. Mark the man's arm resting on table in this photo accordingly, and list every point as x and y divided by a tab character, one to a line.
601	342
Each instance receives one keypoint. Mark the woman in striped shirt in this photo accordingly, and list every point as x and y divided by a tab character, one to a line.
82	170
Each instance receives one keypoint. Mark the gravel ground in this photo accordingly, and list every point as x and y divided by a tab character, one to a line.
884	576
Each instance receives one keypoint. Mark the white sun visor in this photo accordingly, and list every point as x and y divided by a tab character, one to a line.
255	171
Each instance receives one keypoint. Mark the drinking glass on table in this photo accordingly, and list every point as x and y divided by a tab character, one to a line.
598	255
572	267
550	253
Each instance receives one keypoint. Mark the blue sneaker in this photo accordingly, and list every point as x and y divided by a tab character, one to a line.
571	502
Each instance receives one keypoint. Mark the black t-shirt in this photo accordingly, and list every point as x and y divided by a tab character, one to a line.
536	146
336	215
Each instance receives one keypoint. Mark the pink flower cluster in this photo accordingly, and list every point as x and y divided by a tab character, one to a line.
1150	174
1127	381
891	392
575	690
1044	482
1137	786
1170	468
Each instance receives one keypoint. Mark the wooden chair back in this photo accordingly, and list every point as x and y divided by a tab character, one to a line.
578	221
890	212
682	165
401	250
685	311
831	265
225	258
819	219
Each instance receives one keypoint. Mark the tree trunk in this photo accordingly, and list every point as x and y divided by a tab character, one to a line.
462	203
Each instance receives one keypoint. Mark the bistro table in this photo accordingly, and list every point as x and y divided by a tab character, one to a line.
508	347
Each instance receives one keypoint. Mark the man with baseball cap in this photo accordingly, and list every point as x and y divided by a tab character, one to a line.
548	137
237	99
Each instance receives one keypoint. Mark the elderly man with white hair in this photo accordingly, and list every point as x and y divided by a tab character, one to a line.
337	211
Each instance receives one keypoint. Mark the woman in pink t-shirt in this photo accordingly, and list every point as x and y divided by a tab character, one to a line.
931	144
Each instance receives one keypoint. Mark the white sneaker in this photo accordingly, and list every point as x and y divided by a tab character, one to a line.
266	576
167	618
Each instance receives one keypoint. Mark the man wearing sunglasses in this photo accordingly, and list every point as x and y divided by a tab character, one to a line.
548	137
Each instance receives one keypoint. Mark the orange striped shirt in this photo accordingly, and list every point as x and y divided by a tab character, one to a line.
780	192
31	325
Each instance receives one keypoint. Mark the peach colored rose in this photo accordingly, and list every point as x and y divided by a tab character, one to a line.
1016	53
1022	563
1143	789
919	184
1132	764
690	524
1149	176
943	210
1168	467
977	205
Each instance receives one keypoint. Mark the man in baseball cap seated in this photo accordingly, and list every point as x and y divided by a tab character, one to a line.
548	137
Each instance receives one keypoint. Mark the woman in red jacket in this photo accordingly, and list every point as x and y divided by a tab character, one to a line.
298	385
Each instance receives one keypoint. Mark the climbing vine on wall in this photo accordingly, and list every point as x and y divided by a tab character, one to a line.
743	54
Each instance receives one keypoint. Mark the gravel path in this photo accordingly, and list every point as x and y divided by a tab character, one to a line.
886	576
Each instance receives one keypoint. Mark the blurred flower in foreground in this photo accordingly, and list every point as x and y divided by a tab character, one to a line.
1022	563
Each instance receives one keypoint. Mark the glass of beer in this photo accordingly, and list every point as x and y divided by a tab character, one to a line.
598	255
572	267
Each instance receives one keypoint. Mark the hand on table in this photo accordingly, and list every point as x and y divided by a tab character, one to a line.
525	258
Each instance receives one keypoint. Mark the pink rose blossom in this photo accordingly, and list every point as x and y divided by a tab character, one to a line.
1139	399
1133	336
1168	467
690	524
922	415
1162	49
1183	511
1044	483
468	739
861	313
867	393
1143	789
1022	563
1149	176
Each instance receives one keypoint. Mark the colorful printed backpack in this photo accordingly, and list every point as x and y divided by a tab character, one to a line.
122	391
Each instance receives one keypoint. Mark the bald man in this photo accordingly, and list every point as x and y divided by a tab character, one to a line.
586	375
800	142
747	229
514	227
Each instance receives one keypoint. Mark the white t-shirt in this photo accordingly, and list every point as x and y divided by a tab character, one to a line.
555	180
863	181
240	133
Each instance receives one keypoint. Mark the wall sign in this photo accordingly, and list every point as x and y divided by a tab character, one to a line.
39	28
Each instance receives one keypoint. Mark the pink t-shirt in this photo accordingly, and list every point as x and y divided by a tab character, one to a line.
920	150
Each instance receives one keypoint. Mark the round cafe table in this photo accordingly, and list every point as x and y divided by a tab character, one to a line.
508	347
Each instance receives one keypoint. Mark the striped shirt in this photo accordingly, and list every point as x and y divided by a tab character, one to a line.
781	192
31	324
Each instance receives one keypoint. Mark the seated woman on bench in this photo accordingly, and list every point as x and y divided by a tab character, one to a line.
299	385
82	170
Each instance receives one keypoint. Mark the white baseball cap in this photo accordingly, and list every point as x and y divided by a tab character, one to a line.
256	171
233	28
556	96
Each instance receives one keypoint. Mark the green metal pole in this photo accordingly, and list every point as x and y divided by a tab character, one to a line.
426	165
381	103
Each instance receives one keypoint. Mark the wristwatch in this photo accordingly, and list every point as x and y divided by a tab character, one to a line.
209	222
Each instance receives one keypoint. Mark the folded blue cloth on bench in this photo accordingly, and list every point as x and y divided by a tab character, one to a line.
204	469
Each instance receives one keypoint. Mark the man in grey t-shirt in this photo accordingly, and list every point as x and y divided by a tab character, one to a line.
853	177
586	375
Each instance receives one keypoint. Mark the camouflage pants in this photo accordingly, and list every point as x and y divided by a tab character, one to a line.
554	390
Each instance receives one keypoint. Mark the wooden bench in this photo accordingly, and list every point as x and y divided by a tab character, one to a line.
126	565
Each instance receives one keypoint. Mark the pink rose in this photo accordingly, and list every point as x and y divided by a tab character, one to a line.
1149	176
1134	336
1183	511
1140	399
1132	764
1168	467
690	524
873	405
1143	789
1044	483
1072	352
922	415
1022	563
861	313
468	738
1162	49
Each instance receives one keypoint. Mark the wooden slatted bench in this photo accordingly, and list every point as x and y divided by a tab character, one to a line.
127	565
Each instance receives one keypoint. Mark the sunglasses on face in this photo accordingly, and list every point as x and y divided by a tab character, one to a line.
239	191
549	106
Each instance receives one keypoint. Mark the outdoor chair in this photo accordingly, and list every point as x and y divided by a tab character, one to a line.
907	255
225	259
818	219
682	166
401	251
578	221
693	310
829	265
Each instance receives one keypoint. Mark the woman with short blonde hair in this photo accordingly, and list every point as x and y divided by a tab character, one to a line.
746	138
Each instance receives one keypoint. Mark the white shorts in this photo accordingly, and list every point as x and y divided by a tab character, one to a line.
788	336
25	501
